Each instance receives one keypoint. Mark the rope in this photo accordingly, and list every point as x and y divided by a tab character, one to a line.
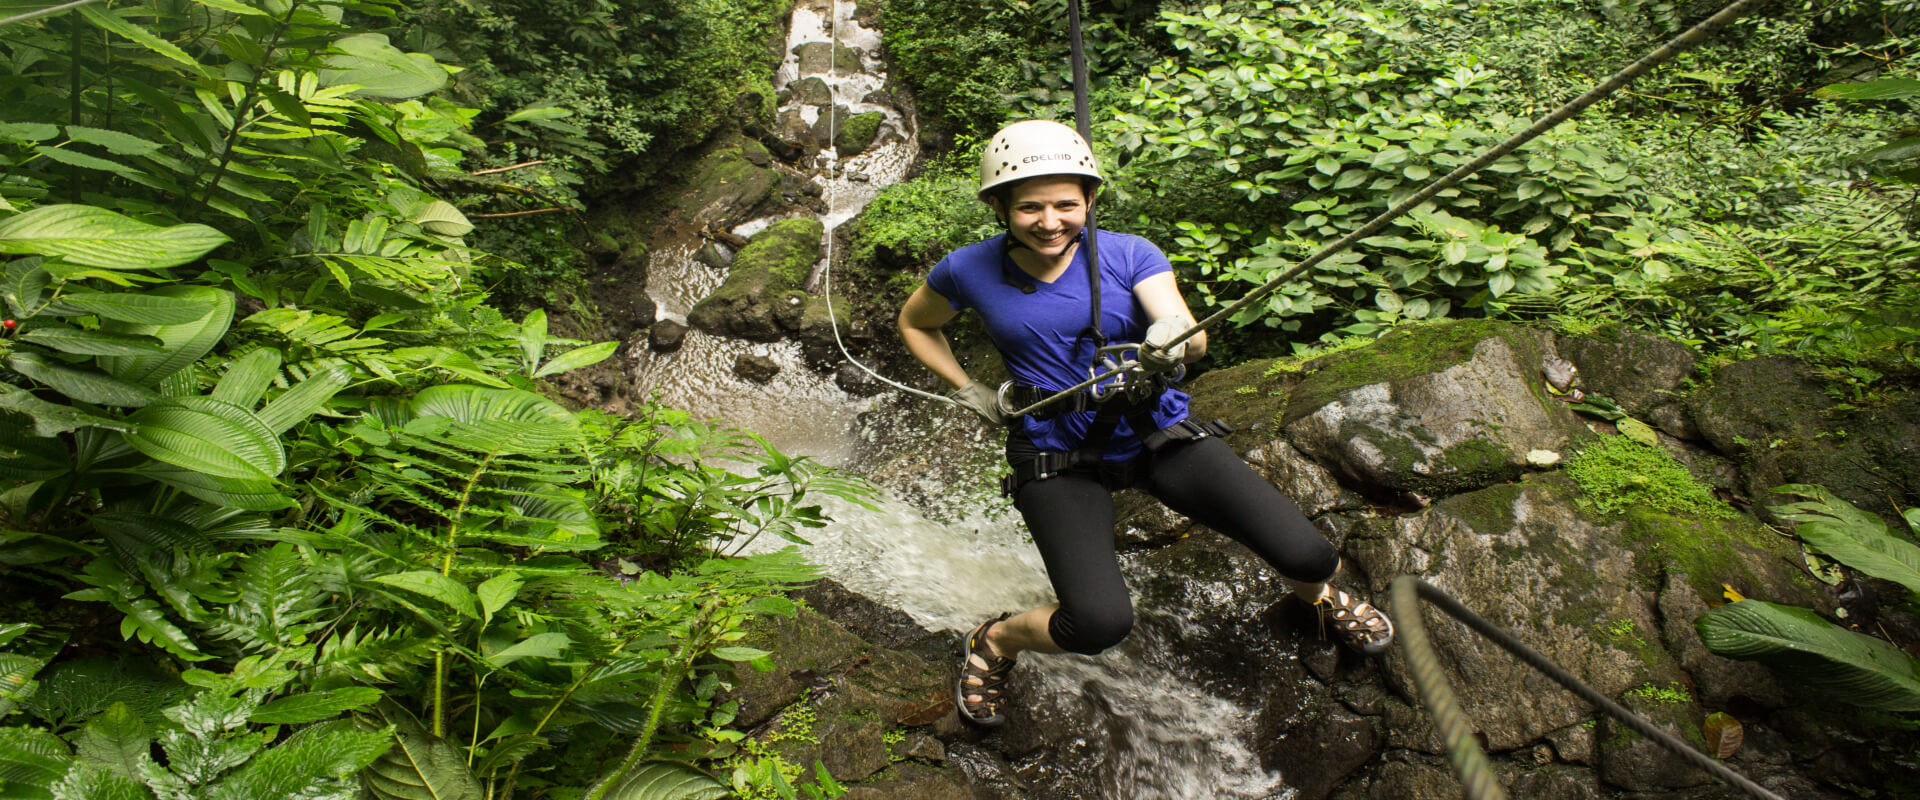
826	274
1476	774
1081	123
1665	52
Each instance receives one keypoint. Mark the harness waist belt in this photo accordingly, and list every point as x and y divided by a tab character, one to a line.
1113	474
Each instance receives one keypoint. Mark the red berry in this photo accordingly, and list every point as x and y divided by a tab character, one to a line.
9	324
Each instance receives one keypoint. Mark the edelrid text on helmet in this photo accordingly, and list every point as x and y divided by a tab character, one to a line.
1033	148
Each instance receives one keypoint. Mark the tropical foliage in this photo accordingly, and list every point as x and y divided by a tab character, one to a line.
1851	666
261	428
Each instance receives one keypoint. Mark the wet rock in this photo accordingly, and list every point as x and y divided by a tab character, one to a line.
1320	753
923	747
1719	682
727	184
855	134
880	97
1636	763
1435	410
1492	547
812	91
1574	743
856	381
761	282
1310	485
816	328
798	137
915	782
1554	783
1773	417
1639	371
667	335
1405	781
714	254
871	621
754	367
814	58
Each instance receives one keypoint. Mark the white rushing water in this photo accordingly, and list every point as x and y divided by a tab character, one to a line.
1162	738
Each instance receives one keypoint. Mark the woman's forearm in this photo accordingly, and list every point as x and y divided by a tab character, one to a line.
930	347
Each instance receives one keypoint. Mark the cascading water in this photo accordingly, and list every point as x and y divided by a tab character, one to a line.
1148	734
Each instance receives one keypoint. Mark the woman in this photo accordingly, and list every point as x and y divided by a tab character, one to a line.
1034	290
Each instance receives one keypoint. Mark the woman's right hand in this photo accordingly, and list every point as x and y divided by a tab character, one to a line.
978	398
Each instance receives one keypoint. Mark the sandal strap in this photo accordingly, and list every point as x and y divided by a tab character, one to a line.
988	683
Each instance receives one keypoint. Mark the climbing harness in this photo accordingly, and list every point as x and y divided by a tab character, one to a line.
1665	52
1137	410
1477	776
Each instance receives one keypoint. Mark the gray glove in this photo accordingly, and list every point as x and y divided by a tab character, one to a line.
1154	356
976	397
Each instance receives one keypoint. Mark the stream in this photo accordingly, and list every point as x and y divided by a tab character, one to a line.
956	553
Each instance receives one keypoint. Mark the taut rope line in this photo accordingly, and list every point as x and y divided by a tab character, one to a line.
1477	776
1691	37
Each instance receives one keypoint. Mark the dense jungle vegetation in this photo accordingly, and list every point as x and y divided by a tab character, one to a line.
285	508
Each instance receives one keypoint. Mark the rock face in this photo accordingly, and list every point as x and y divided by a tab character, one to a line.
1432	412
857	133
761	299
1447	412
727	185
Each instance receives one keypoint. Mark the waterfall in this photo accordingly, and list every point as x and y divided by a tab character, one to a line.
1149	734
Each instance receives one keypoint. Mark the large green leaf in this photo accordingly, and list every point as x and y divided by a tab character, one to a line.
185	342
508	420
251	494
79	341
577	358
437	586
247	378
368	61
661	780
148	308
1856	538
1883	89
80	383
30	761
314	706
1847	666
52	419
115	739
107	20
539	645
305	397
206	435
98	237
420	766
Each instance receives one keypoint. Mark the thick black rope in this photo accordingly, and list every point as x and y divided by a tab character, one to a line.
1084	126
1693	36
1476	774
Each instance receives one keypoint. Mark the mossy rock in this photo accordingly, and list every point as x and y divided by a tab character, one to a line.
727	184
813	58
857	133
1431	409
762	297
1251	396
1403	353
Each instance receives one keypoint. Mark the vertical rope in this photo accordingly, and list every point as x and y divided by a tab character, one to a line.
1084	126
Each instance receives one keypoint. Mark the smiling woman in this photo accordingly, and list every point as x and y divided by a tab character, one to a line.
1051	325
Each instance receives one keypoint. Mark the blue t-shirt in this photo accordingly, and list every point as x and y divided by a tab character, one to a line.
1038	334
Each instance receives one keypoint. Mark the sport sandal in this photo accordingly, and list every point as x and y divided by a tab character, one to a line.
1357	620
981	688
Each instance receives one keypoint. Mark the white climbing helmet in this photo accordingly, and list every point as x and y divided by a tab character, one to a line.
1035	147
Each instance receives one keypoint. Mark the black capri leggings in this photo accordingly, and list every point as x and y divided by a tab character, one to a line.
1071	518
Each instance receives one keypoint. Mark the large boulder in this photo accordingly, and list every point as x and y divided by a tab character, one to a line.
1773	416
728	184
857	133
1431	409
814	58
1644	373
761	299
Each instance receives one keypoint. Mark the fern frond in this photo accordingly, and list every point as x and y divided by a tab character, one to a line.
377	654
276	600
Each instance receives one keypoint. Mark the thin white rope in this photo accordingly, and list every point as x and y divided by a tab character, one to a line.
826	275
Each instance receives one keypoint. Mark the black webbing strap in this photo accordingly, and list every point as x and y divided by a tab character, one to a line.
1114	474
1085	129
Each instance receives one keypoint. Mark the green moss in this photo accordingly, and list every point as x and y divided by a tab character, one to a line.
1407	351
1617	473
724	172
856	135
1489	510
1478	457
785	252
1668	693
